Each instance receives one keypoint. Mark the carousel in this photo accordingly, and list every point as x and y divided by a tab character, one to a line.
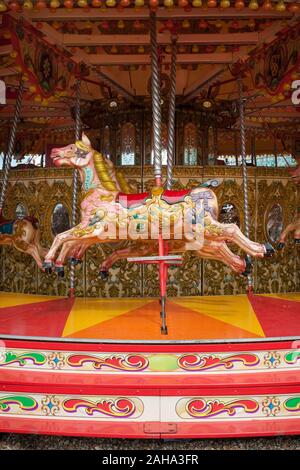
150	217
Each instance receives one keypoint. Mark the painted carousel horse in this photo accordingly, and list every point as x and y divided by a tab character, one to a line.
294	227
216	250
24	235
107	215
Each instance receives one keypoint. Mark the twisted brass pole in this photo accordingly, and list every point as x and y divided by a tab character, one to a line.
75	179
156	116
156	103
11	144
244	166
171	124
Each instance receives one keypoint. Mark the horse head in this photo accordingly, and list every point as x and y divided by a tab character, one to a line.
76	155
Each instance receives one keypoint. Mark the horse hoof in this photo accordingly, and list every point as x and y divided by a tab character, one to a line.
269	249
297	241
103	274
248	268
60	271
75	261
47	266
280	246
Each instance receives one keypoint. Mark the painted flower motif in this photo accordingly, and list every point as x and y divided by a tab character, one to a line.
272	359
56	360
50	405
271	406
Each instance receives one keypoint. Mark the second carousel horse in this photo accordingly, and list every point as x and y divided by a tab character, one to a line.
24	235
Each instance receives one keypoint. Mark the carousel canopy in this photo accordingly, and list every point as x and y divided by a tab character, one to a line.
49	44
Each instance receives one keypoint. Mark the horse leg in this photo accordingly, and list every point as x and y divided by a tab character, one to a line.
59	262
74	253
214	230
61	238
6	239
42	251
290	228
31	249
220	252
76	249
80	251
112	259
122	254
235	262
64	237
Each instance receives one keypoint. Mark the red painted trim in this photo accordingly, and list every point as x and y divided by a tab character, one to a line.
150	348
142	380
78	390
201	429
247	428
234	390
77	428
264	389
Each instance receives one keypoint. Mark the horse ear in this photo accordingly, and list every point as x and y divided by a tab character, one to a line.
85	140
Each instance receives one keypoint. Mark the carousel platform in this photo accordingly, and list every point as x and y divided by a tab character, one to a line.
229	367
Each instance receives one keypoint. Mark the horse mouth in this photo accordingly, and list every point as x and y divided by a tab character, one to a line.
56	158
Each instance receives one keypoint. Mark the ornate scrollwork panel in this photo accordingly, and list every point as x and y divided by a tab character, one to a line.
41	189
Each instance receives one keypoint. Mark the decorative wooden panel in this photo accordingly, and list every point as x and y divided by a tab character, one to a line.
41	189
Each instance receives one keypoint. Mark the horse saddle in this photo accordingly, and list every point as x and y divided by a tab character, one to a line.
133	200
6	226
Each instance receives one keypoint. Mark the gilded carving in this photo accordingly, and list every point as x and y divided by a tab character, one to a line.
39	190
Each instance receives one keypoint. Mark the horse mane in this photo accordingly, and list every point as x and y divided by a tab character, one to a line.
125	188
103	173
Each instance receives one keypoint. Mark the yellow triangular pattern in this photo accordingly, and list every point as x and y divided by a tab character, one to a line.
10	299
88	312
233	309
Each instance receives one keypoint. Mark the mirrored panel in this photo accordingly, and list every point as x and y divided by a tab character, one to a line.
21	211
274	221
60	221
